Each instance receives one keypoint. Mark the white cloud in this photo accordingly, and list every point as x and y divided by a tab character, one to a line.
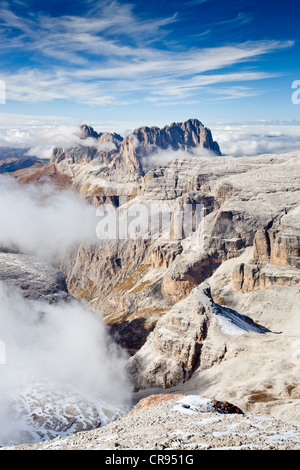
42	221
177	76
233	93
98	31
111	54
61	350
237	139
40	140
163	157
31	121
59	359
256	138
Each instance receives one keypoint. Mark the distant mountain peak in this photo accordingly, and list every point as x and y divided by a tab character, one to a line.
177	136
88	131
129	159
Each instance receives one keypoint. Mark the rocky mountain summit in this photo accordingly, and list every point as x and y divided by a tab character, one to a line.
107	166
182	135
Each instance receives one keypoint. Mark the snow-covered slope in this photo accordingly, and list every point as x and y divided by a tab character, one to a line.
176	422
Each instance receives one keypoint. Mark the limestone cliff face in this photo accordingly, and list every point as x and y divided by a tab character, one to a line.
152	291
197	310
276	256
187	338
246	204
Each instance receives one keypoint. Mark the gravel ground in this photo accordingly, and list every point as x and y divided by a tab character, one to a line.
181	422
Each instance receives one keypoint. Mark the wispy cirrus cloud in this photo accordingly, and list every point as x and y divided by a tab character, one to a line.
110	55
104	30
240	19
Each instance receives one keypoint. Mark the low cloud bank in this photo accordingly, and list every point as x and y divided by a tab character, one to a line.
40	140
235	139
62	371
42	221
257	138
163	157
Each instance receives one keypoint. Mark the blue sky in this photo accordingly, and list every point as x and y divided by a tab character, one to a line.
150	61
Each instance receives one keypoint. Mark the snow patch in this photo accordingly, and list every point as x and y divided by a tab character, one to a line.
234	324
193	404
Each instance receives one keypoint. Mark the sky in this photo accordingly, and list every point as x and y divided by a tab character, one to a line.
117	61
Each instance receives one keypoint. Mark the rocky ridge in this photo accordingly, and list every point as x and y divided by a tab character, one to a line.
113	166
215	312
179	422
189	337
139	284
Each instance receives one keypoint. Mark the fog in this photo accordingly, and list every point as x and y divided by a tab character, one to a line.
237	139
257	138
63	371
63	348
42	221
40	140
163	157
